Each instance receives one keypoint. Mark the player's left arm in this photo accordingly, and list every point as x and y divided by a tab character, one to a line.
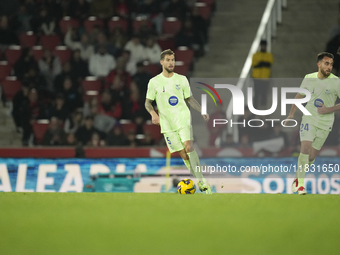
194	104
324	110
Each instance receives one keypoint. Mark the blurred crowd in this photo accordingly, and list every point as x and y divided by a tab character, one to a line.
113	58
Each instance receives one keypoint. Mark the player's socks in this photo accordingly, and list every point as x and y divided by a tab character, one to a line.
195	165
302	162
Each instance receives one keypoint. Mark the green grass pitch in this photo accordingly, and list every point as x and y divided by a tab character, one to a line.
132	223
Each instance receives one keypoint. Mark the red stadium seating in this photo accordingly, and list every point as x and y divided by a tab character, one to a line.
91	83
67	22
166	43
153	69
141	21
155	131
63	53
117	22
39	129
89	94
49	41
184	54
28	39
91	22
10	86
171	26
205	10
181	68
5	70
127	126
12	54
208	2
38	52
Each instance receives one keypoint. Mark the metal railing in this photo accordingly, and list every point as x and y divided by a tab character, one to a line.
266	31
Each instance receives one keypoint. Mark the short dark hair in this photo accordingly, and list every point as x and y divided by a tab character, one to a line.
324	54
166	52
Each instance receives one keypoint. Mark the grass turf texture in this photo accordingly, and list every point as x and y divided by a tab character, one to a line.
113	223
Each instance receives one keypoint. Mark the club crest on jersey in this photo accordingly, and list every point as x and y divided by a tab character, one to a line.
178	87
173	100
318	102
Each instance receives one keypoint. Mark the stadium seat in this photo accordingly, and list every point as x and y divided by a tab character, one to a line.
184	54
127	126
91	83
63	53
28	39
166	43
12	54
205	10
208	2
49	41
171	26
89	94
181	68
155	131
117	22
10	86
90	22
39	129
153	69
37	52
5	70
67	22
140	21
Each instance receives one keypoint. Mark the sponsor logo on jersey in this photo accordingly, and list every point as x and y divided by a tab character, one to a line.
318	102
173	100
178	87
327	92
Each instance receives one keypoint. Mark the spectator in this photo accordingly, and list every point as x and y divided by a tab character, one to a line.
118	39
73	122
7	36
116	137
101	63
20	100
59	108
65	73
152	51
119	71
176	8
244	142
72	97
102	122
152	9
32	110
50	67
188	37
35	79
200	26
245	129
79	9
85	132
79	66
23	19
130	64
86	49
131	138
101	8
148	140
101	41
54	135
108	107
25	63
229	141
136	49
262	63
134	107
118	89
96	140
121	9
44	23
71	140
142	78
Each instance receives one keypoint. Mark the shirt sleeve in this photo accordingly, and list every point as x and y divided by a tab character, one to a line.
151	93
186	88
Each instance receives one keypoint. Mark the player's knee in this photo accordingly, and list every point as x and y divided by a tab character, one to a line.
188	148
311	158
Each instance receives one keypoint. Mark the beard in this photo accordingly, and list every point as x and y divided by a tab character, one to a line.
168	70
324	73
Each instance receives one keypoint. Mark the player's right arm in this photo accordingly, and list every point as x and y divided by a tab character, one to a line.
294	108
151	110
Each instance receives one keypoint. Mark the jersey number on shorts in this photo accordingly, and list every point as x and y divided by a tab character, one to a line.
167	138
306	127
